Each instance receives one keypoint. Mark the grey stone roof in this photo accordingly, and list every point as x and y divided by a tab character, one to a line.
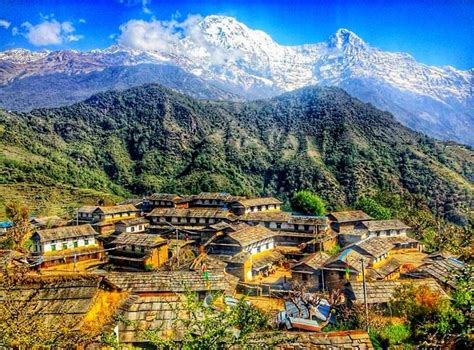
380	292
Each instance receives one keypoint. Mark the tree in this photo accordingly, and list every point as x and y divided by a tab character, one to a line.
307	202
374	209
435	321
17	236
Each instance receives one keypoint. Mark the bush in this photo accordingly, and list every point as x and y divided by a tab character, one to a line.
374	209
308	203
393	334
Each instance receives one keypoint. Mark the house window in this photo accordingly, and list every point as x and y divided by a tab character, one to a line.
258	249
140	227
64	245
133	248
53	247
133	228
86	242
304	277
142	249
76	244
278	225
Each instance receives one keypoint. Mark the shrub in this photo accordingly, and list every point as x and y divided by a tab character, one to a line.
308	203
374	209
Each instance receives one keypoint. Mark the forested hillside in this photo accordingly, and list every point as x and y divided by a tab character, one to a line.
151	139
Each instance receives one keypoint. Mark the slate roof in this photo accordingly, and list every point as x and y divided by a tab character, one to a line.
132	222
284	216
335	340
350	216
165	197
158	312
380	292
139	240
48	221
383	271
171	281
117	209
214	195
315	261
87	209
382	225
254	202
348	256
307	220
443	270
192	213
65	232
374	246
267	259
66	300
251	234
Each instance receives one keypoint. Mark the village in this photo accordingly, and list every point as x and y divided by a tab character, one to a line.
149	253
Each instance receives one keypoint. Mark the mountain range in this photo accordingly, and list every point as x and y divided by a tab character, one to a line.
151	139
225	59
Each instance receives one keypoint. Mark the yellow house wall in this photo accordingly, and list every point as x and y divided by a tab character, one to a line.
157	257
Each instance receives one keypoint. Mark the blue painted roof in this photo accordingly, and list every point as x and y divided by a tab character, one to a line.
6	224
456	261
343	254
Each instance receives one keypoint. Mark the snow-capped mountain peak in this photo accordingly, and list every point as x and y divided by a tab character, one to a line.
344	38
248	62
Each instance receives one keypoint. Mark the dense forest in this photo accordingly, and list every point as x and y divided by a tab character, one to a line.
151	139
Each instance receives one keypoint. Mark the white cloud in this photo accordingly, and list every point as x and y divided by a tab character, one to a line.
145	7
168	36
153	35
82	21
50	32
4	23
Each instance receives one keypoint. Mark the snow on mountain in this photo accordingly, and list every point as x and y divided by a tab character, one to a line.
435	100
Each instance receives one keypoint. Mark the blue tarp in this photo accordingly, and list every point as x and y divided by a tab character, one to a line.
6	224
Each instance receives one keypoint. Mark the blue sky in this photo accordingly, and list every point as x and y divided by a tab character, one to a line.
435	32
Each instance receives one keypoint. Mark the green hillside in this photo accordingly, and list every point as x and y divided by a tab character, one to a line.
150	139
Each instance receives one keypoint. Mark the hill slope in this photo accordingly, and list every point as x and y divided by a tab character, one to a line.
152	139
58	89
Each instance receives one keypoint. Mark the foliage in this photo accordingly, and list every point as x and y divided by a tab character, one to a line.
433	319
205	327
17	237
374	209
334	250
308	203
149	139
393	334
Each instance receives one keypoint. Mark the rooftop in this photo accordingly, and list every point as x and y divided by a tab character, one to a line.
251	234
335	340
192	213
165	197
132	222
349	216
116	209
254	202
374	246
315	260
139	239
65	232
172	281
381	225
443	270
380	292
48	221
